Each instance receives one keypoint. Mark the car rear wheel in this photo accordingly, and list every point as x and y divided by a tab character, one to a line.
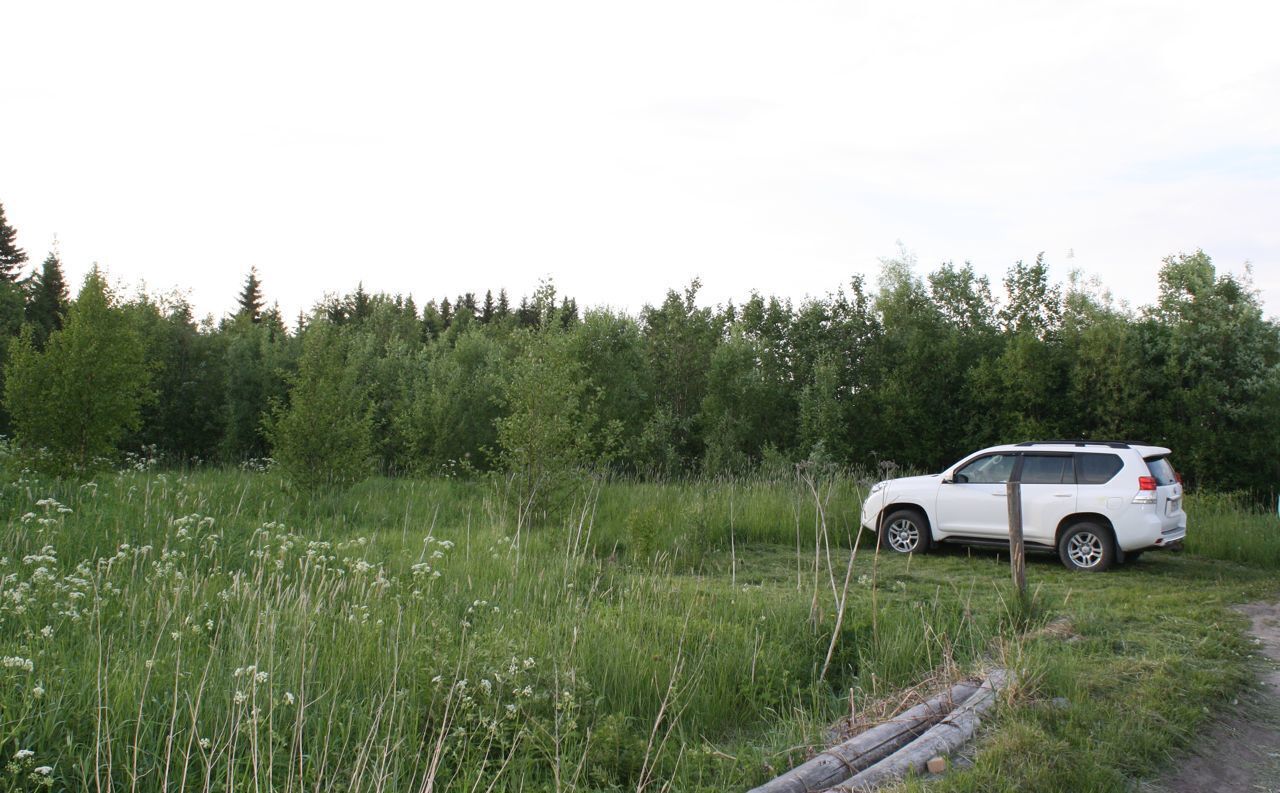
904	531
1087	546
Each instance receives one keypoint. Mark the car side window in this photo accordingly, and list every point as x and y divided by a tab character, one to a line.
1097	469
989	470
1045	469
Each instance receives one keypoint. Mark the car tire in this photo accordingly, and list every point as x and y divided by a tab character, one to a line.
1088	547
905	531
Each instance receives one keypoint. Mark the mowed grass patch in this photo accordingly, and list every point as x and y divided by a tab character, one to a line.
211	631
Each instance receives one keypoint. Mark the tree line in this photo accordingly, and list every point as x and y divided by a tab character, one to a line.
911	371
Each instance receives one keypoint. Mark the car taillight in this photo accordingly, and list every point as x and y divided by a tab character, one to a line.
1177	476
1146	490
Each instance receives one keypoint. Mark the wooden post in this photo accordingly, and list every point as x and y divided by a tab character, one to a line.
1017	551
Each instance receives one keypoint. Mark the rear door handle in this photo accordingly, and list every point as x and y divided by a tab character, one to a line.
1062	495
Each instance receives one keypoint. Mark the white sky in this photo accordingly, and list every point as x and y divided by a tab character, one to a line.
623	148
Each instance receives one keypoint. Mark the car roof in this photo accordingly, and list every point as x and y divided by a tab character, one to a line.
1080	446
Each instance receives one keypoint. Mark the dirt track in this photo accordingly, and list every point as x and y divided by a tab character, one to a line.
1241	751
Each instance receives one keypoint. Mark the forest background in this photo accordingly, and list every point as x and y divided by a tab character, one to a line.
910	372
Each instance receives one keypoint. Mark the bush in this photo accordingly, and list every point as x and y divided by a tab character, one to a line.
323	436
74	400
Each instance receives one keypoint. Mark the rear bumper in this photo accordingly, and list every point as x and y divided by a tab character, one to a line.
1152	531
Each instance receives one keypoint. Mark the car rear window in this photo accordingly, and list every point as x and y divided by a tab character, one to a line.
1097	469
1162	470
1041	469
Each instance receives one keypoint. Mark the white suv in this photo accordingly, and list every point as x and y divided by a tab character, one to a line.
1095	503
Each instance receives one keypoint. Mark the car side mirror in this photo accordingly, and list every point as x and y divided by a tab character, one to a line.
947	481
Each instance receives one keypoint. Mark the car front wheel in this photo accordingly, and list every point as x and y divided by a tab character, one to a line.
1088	547
904	531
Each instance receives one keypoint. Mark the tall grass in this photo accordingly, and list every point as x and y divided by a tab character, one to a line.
1234	528
209	630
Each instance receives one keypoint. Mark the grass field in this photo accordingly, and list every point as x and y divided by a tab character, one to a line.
210	631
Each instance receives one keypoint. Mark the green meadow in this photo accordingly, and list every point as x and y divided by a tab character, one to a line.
210	630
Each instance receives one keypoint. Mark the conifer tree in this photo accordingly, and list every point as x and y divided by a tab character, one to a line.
432	322
11	256
503	309
361	304
47	299
486	310
250	300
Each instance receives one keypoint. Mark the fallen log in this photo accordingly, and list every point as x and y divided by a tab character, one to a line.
865	749
949	734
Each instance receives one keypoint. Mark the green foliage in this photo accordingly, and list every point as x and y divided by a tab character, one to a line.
550	433
76	398
1218	364
11	256
916	372
258	359
250	301
186	419
451	402
322	437
47	299
746	405
679	340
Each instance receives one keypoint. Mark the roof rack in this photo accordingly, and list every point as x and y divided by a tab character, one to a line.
1076	442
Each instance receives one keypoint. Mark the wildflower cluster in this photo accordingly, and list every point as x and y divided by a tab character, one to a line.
51	513
37	591
22	767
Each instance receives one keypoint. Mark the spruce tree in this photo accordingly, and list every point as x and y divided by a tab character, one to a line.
486	310
11	256
432	323
47	299
250	300
503	309
361	304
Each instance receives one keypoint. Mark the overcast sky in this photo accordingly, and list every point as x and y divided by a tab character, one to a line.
624	148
